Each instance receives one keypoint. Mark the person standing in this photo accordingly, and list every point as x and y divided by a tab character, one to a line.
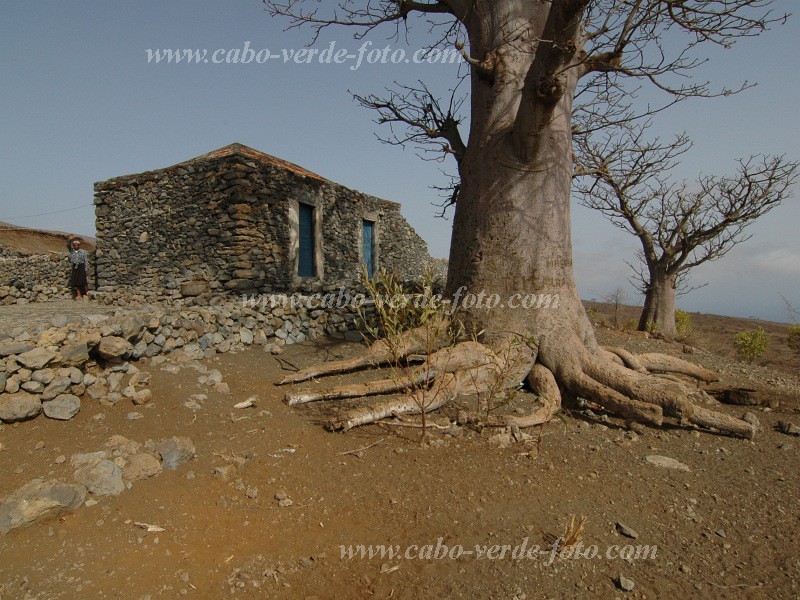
79	261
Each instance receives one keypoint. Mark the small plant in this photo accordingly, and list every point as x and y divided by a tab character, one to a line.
794	337
573	531
395	311
683	323
751	344
652	328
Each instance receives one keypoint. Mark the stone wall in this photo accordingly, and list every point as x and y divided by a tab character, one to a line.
227	218
43	362
38	277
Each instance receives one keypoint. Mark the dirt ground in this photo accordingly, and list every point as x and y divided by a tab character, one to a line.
726	528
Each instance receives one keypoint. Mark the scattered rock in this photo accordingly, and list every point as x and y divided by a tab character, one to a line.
37	500
134	416
788	428
141	466
101	479
142	397
666	462
62	407
175	451
19	407
87	458
750	417
625	584
627	531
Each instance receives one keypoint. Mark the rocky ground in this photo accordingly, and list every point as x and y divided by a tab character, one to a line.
269	501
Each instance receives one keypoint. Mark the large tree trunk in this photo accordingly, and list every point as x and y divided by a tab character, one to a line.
659	306
510	273
511	232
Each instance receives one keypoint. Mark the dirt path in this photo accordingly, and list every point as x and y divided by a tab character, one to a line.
727	528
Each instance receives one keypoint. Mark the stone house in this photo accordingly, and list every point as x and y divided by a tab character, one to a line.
244	221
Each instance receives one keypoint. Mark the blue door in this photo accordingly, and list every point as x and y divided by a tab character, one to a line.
368	246
305	263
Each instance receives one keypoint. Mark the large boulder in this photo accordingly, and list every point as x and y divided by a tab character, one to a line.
35	359
102	479
62	407
19	407
37	500
113	347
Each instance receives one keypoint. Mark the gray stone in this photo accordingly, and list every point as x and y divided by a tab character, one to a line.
8	348
175	451
37	500
141	466
101	479
142	397
74	353
627	531
666	462
44	376
62	407
38	358
12	385
114	348
60	385
34	387
750	417
87	458
19	407
625	584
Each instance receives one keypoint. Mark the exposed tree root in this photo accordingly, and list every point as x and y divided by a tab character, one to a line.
626	358
664	363
413	342
543	384
611	377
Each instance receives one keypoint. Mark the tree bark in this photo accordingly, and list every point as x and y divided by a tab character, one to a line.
659	306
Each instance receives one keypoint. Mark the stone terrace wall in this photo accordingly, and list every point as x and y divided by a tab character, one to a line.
38	277
226	220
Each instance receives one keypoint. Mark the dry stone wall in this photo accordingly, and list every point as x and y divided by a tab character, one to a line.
37	278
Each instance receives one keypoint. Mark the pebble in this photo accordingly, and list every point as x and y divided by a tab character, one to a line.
627	531
625	584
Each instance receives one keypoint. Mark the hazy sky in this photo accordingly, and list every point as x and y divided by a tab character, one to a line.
80	104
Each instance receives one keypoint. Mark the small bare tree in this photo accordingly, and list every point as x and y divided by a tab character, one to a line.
680	225
616	299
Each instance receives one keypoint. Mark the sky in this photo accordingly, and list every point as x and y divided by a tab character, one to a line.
80	103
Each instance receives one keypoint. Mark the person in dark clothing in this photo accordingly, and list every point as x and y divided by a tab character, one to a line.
79	261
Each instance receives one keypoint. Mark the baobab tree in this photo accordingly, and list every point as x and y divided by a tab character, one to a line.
680	225
528	60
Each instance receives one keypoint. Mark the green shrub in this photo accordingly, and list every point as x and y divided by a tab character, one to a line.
751	344
653	328
683	323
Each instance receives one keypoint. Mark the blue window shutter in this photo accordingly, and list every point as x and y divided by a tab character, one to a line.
305	263
368	246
